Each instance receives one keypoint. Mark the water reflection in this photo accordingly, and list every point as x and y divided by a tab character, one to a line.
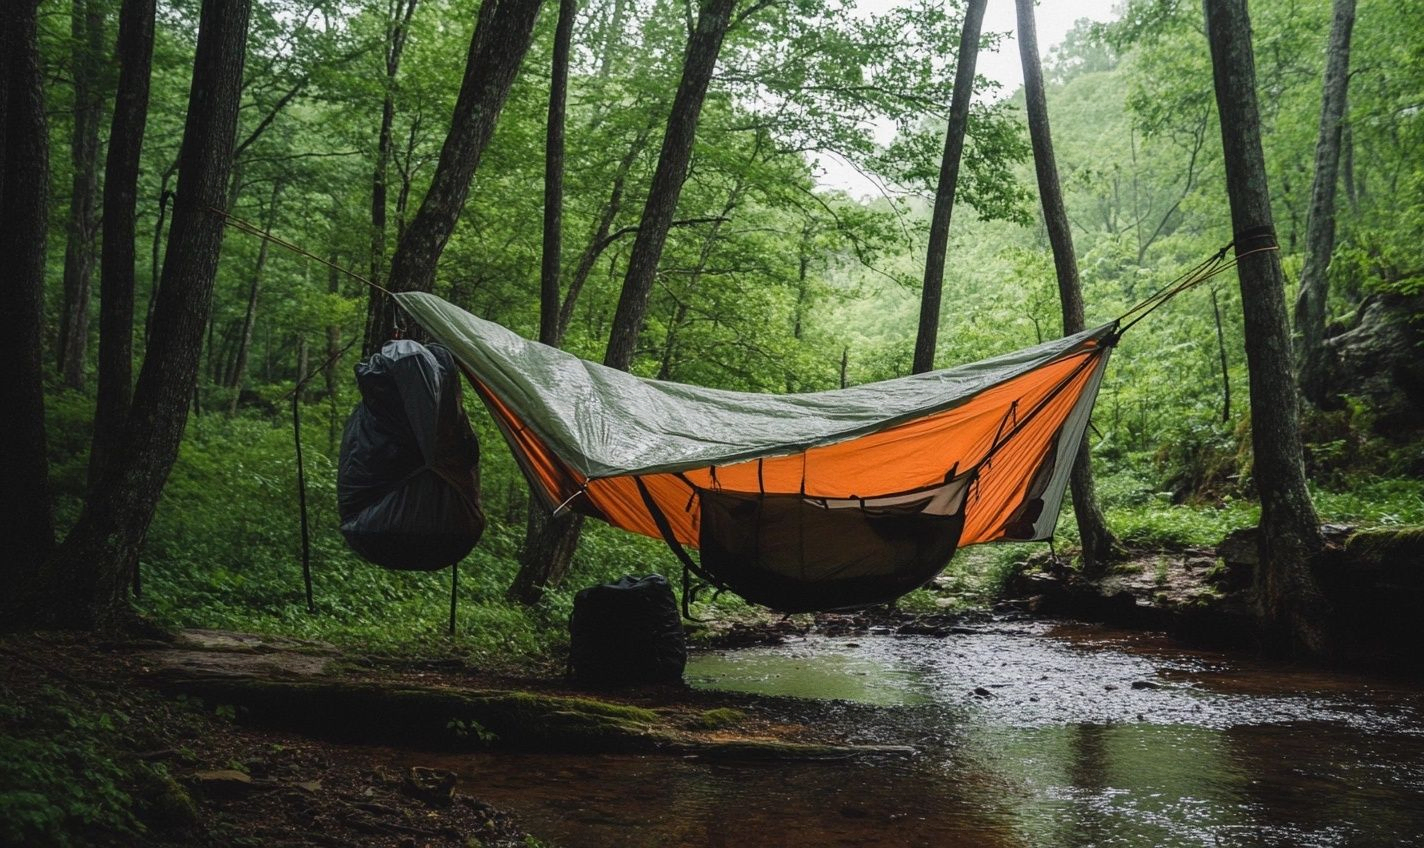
1028	736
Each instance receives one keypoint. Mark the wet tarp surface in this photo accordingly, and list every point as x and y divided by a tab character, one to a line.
408	474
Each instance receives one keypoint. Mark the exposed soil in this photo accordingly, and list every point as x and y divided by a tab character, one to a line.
242	775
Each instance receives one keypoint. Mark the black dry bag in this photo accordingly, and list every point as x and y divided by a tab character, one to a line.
627	631
407	485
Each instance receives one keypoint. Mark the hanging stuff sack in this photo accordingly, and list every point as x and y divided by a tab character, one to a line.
627	632
407	482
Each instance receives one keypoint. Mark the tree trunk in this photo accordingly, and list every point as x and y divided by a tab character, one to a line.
396	28
666	187
599	240
1099	545
249	318
89	575
156	255
552	541
26	517
554	176
87	46
1291	608
500	40
543	529
928	336
116	263
1310	304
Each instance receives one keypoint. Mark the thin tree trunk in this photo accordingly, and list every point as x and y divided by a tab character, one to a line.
500	40
1099	545
26	516
88	576
87	45
599	241
528	585
333	345
928	336
550	548
396	28
116	263
554	176
666	187
1310	304
1292	611
156	257
249	318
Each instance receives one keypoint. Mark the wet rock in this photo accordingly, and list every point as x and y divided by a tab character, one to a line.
981	692
1145	684
1111	687
433	786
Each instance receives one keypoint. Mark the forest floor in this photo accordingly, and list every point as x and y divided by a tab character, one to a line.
189	743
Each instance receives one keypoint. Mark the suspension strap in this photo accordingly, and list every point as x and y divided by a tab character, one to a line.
689	565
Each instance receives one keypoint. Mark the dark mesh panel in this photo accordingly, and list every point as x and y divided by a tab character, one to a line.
794	555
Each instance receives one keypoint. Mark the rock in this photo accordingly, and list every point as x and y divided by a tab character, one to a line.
1240	547
1145	684
981	692
1111	687
1379	360
432	786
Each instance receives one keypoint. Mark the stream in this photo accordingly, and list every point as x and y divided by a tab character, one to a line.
1026	734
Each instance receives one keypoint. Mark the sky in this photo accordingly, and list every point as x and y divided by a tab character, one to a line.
1054	19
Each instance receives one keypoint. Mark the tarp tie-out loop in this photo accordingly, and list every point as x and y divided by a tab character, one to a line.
558	510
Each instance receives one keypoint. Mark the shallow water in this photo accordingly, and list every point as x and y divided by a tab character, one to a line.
1076	736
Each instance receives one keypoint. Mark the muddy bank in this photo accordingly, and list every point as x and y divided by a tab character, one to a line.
1373	581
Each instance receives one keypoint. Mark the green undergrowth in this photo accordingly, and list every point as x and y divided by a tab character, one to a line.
68	775
224	548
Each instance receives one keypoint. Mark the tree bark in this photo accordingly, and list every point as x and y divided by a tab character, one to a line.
554	176
928	336
500	40
552	541
26	517
1293	613
543	529
1099	545
116	261
396	28
87	47
1310	304
666	187
88	576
